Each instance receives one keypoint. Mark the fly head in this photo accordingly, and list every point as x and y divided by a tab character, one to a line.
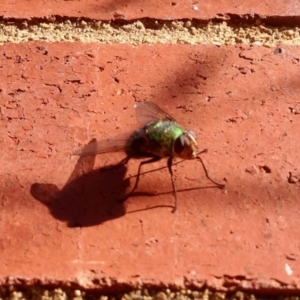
185	146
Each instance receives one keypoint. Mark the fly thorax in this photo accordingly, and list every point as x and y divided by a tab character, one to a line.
185	146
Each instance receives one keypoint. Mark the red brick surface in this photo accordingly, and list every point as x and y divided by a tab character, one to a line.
239	100
59	218
125	9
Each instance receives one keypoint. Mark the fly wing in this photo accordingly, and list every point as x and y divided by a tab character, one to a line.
147	112
116	144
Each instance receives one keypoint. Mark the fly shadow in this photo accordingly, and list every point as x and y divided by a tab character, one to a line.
89	197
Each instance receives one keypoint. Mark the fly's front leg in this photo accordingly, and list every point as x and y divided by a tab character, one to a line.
219	185
170	161
154	159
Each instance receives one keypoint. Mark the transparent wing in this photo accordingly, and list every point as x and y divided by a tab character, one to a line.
115	144
148	111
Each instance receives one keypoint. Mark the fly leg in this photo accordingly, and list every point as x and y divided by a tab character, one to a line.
170	161
154	159
124	161
219	185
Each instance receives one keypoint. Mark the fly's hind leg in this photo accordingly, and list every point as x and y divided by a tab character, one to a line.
154	159
124	161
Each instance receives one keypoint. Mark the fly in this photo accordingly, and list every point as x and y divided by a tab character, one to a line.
160	136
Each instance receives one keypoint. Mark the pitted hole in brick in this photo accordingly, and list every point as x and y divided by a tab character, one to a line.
265	169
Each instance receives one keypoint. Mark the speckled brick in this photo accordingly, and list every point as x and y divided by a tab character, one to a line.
128	10
59	218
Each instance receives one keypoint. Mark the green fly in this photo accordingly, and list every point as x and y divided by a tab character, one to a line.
160	136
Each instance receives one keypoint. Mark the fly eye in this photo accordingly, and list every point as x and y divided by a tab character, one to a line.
192	134
180	143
